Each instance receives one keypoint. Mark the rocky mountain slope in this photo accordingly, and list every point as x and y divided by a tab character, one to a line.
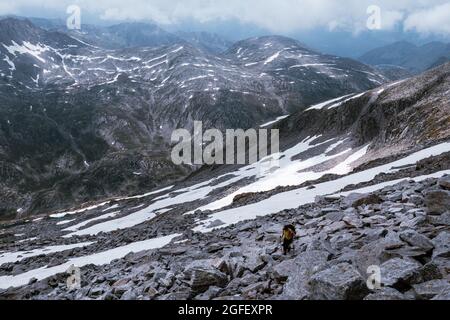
82	122
364	177
414	59
208	42
132	34
401	229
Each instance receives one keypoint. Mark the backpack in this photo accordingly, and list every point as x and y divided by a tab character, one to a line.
288	232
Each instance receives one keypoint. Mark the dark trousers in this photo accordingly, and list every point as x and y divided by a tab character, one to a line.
287	245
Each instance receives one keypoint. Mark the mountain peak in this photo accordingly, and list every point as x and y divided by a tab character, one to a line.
17	30
271	41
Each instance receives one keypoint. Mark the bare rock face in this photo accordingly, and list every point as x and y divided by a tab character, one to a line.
442	245
203	278
416	239
340	282
398	272
437	201
443	296
431	289
299	271
385	294
361	200
444	183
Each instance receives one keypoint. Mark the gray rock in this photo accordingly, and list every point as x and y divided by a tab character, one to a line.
120	290
254	262
374	220
416	239
428	272
209	294
168	280
335	216
255	288
430	289
416	199
385	294
395	196
442	245
121	283
216	223
440	220
96	292
229	298
340	282
398	271
180	295
284	269
351	198
353	220
203	278
443	265
109	296
173	251
444	182
359	200
376	251
443	296
413	223
299	271
341	241
221	265
437	201
151	292
335	226
131	294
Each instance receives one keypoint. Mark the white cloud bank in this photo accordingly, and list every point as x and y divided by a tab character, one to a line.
431	16
433	20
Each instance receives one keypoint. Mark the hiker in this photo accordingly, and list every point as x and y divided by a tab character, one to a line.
288	237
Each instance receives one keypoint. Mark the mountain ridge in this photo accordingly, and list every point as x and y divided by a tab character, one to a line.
407	55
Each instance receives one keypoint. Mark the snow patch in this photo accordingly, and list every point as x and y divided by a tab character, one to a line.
20	255
295	198
272	58
100	258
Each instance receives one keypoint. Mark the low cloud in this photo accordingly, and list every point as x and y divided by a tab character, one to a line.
435	20
277	16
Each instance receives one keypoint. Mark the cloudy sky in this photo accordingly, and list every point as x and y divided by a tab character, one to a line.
277	16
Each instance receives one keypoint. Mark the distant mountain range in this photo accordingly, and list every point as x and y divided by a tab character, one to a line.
412	58
73	106
128	35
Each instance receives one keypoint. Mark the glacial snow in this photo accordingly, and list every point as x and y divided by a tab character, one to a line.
295	198
286	172
272	171
27	48
326	103
382	185
20	255
273	121
99	258
63	214
272	58
84	223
